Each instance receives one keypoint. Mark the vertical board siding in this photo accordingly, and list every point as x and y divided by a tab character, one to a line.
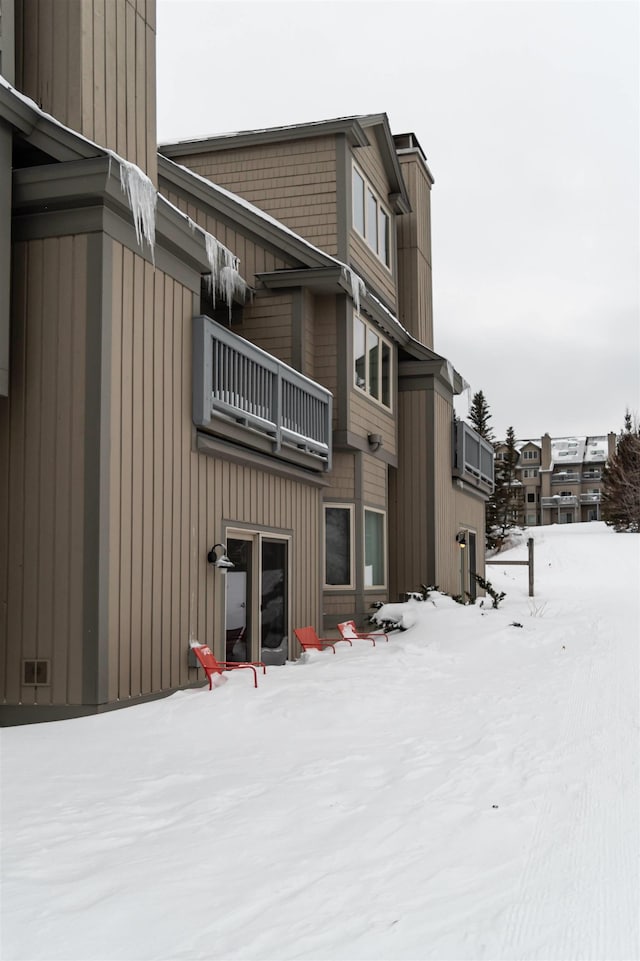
323	365
168	504
91	64
42	469
409	497
447	551
414	254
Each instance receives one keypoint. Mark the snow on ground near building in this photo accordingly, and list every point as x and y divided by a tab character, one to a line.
467	791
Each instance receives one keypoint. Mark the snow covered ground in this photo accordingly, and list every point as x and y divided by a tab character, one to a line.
469	790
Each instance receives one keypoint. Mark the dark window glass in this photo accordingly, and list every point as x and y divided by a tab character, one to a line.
359	354
372	220
358	202
337	546
373	549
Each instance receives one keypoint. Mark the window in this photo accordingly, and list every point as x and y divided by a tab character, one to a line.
371	220
530	472
374	549
338	545
372	362
532	520
530	455
358	202
531	498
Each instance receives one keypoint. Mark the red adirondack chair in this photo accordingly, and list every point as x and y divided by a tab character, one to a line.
350	633
309	640
213	666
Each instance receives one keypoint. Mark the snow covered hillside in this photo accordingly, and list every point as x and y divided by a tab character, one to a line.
469	790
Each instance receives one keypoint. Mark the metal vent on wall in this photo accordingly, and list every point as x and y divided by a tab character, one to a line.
35	672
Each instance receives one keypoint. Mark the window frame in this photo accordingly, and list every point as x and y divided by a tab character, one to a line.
383	514
372	221
383	384
350	508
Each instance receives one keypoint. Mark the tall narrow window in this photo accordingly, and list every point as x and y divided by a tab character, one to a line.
372	220
386	375
383	237
372	362
374	549
373	350
338	543
360	358
358	202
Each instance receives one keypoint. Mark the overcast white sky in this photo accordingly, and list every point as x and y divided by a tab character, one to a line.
529	114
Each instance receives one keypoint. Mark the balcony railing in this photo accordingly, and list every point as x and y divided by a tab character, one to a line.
237	380
591	475
565	477
472	457
590	498
559	500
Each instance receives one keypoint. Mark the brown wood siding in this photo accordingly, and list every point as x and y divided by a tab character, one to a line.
323	366
447	550
414	255
42	471
409	497
362	257
91	64
366	417
342	478
370	268
169	504
254	258
293	182
267	322
470	515
374	482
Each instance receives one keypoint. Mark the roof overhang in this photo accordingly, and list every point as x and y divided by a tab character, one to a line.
358	131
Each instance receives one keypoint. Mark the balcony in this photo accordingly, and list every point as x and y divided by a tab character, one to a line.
246	395
558	500
592	475
472	457
565	477
593	498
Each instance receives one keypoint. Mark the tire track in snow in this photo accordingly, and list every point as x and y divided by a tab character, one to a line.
583	844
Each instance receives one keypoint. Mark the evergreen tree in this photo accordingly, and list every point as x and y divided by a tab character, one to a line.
479	416
502	507
620	502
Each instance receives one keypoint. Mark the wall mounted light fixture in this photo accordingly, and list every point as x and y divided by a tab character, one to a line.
222	562
461	538
375	441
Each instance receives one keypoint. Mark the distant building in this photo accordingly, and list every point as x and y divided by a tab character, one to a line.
559	479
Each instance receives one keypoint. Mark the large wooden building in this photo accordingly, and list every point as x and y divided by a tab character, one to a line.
225	347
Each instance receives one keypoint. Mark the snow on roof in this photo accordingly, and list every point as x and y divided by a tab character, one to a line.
575	450
230	134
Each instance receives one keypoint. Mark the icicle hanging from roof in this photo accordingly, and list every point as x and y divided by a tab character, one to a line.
358	286
224	277
143	199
